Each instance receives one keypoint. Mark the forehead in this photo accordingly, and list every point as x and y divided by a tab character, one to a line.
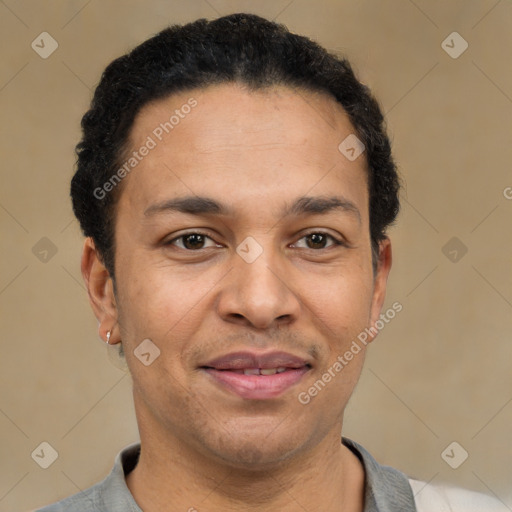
232	141
235	111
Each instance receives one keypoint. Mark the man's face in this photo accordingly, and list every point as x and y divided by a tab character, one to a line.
289	288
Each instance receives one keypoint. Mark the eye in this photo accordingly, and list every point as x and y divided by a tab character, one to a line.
191	241
196	241
318	239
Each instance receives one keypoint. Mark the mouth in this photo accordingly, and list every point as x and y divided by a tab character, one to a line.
257	383
255	375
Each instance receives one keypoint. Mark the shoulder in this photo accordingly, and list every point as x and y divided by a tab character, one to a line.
445	498
110	494
85	501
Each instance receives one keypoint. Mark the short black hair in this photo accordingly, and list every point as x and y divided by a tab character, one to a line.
242	48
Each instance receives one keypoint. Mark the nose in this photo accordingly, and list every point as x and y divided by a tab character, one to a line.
258	294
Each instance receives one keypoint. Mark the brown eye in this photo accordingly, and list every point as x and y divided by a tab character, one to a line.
318	240
191	241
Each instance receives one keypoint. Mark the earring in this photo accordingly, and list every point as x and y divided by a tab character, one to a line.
108	337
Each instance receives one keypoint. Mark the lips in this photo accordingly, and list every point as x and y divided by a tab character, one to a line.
248	360
257	376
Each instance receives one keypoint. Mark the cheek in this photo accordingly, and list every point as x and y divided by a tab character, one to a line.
161	303
342	302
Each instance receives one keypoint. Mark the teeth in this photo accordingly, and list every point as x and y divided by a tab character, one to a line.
262	371
252	371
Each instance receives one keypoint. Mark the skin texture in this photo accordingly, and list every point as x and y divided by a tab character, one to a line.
202	445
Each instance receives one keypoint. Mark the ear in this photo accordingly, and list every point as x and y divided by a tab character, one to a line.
101	291
380	282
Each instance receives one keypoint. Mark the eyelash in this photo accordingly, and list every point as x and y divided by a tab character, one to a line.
336	242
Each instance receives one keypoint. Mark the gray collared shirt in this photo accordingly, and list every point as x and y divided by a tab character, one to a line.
386	488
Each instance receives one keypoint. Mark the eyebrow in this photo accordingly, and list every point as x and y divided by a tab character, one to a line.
305	205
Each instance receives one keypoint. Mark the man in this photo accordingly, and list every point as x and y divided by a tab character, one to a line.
235	183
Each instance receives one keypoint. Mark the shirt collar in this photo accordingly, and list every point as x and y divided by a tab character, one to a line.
386	488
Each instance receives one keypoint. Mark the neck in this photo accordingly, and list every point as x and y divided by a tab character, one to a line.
171	476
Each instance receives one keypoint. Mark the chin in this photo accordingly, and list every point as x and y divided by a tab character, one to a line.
256	450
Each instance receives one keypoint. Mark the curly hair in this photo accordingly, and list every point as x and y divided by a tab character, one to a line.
242	48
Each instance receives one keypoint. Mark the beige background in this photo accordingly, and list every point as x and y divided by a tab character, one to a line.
439	372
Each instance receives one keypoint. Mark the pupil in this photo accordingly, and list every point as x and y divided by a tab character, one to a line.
196	239
317	238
